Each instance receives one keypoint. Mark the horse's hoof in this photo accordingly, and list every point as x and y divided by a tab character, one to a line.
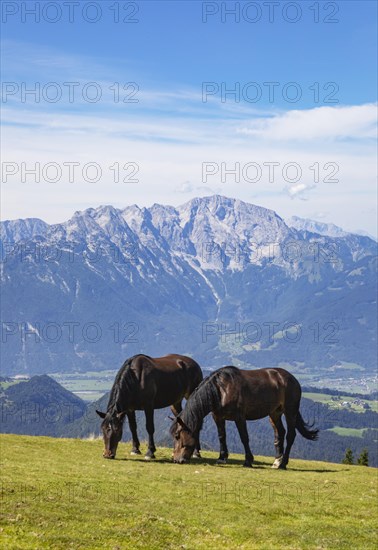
247	465
197	455
149	457
222	461
135	452
282	467
277	463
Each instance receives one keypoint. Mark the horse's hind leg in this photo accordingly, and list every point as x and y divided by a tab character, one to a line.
133	429
150	430
290	436
279	437
243	432
221	427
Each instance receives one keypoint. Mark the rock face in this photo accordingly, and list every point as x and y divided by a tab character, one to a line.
313	226
216	278
329	229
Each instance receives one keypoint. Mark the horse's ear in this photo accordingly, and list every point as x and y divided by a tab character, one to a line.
182	423
121	415
101	414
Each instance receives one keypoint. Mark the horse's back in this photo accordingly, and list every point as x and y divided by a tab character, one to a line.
259	392
270	376
173	361
162	381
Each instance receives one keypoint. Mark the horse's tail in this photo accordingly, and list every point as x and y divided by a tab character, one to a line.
305	429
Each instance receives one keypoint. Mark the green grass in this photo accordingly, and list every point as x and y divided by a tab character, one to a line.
327	400
61	493
6	385
352	432
89	386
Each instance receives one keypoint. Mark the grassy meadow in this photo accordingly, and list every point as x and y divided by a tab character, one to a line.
61	493
326	399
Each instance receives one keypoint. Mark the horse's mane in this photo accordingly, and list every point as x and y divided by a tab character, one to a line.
205	398
124	384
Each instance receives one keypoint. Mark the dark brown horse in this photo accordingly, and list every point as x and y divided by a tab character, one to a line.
146	383
241	395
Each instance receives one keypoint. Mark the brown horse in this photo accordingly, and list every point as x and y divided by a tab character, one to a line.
146	383
241	395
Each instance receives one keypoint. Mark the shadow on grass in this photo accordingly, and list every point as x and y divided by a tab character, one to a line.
323	471
257	464
142	459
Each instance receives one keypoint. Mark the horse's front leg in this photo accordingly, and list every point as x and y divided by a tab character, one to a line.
134	434
221	427
150	430
197	448
176	408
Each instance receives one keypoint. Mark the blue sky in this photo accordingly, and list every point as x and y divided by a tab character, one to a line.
171	134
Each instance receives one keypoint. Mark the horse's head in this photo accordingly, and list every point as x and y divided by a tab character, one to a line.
111	426
184	441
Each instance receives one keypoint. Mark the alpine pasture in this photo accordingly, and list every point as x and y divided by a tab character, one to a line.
61	493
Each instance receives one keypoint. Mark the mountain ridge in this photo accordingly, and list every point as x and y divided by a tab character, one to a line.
37	225
217	277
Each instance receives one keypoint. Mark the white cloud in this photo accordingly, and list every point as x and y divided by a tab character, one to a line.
170	133
298	190
331	123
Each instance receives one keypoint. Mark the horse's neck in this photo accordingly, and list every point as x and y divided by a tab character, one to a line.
122	395
118	404
202	406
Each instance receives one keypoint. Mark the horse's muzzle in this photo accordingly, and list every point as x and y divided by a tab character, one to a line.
180	460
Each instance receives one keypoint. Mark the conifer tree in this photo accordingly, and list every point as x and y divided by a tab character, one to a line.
348	459
363	459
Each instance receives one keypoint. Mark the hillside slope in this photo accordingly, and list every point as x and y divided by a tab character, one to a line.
39	406
62	494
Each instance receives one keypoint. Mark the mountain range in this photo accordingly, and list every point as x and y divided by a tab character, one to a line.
216	278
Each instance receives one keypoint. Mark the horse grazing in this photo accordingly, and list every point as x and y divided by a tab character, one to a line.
240	395
146	383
